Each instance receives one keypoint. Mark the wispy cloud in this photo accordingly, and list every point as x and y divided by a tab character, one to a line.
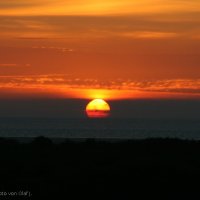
62	49
73	27
8	65
5	4
95	7
166	85
149	35
14	65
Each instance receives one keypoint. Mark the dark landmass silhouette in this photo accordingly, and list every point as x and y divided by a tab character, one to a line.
97	169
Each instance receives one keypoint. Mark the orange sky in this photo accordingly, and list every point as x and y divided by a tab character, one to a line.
100	49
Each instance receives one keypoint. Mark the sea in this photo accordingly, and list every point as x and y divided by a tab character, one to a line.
65	128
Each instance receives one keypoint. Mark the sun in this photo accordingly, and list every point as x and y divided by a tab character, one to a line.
98	108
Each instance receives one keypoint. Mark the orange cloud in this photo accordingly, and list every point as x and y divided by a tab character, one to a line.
8	65
77	28
66	86
150	35
94	7
14	65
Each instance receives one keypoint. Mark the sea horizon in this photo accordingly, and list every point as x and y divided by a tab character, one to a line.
109	128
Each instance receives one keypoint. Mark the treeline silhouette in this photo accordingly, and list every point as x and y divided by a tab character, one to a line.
97	169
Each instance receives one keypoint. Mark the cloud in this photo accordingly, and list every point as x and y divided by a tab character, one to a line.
58	80
94	7
14	65
8	65
150	35
101	27
25	28
173	85
66	86
15	4
62	49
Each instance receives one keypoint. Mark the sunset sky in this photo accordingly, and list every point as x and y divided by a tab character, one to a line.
111	49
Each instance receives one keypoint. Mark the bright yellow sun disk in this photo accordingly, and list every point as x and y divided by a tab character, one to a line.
98	108
98	104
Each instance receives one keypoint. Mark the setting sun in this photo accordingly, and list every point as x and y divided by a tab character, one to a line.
98	108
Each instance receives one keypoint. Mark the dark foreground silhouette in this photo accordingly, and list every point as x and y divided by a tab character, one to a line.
92	169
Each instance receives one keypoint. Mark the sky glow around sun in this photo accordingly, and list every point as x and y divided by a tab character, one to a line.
107	49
